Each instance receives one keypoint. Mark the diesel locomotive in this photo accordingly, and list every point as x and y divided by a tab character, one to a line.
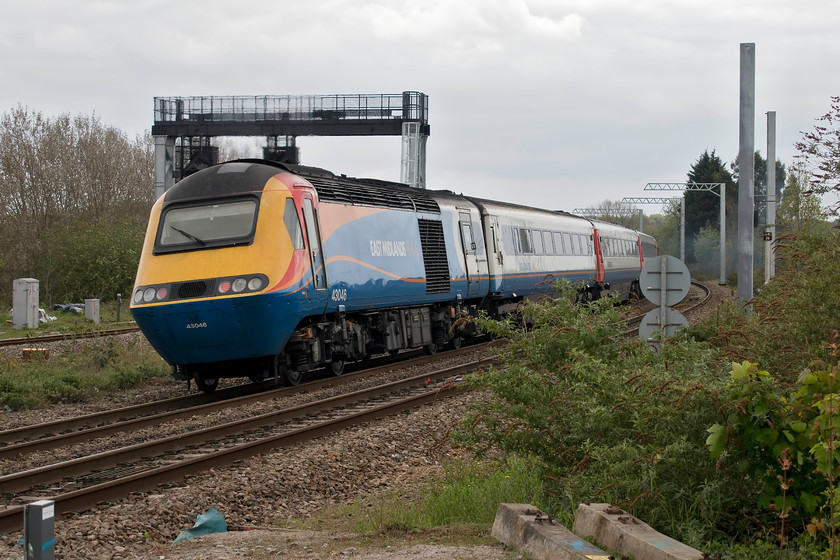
258	269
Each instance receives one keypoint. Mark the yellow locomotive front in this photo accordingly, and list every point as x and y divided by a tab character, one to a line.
223	271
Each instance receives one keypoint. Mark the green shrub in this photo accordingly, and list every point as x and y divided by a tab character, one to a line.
786	442
609	419
791	317
90	260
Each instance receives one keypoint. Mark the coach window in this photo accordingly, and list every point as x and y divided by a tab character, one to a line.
567	244
525	245
538	246
558	243
549	246
290	218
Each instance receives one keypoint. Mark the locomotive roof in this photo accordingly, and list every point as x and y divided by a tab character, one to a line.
389	194
364	192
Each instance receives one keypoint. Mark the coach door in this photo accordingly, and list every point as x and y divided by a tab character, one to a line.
319	278
470	258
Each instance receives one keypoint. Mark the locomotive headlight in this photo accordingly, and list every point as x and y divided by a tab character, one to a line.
149	295
224	287
255	284
161	293
239	285
138	296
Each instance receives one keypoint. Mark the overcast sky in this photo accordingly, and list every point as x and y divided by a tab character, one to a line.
553	103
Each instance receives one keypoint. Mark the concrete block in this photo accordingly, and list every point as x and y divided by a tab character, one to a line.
622	533
527	529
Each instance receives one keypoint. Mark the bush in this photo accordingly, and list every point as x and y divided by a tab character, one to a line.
792	317
609	419
87	260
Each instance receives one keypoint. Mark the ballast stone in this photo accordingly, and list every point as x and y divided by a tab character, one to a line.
617	530
525	528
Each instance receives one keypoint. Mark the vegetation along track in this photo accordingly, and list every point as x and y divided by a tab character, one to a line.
112	474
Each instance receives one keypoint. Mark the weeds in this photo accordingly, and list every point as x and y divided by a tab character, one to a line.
96	366
464	494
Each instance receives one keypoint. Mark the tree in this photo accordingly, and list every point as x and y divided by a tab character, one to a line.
58	171
799	210
665	228
760	182
702	209
819	154
618	212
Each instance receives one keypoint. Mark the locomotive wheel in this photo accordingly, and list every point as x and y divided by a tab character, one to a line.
287	376
456	342
337	367
202	377
291	376
206	384
431	348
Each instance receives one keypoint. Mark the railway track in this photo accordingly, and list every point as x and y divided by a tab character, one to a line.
58	433
699	296
81	483
41	339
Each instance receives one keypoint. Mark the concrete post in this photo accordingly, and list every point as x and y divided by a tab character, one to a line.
722	280
746	175
682	229
164	164
769	254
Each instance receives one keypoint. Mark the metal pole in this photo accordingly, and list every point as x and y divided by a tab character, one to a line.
682	229
641	221
746	176
769	255
722	280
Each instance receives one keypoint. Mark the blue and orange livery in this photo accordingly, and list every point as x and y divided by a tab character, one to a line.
258	269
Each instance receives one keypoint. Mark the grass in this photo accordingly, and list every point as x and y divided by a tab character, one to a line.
69	323
455	507
95	366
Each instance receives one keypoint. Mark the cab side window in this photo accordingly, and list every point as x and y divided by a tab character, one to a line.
290	218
